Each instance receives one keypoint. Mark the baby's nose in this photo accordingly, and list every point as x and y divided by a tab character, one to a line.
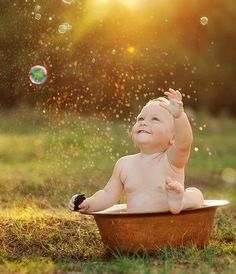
143	122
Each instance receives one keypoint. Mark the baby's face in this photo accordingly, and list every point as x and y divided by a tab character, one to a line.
153	128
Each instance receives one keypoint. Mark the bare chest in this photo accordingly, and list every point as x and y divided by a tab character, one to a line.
148	177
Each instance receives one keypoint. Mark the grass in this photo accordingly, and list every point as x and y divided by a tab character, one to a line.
44	160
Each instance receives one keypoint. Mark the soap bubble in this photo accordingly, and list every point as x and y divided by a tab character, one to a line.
37	8
64	27
67	1
37	16
204	20
38	75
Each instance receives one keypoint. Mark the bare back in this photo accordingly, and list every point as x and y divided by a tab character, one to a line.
144	182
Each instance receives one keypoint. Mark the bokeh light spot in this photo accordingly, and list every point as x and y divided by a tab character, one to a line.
229	175
131	49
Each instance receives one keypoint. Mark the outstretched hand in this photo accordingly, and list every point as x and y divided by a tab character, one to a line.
175	105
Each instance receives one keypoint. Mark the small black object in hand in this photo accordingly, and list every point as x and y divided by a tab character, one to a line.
78	200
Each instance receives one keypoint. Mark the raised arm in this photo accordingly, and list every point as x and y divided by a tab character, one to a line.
108	196
179	151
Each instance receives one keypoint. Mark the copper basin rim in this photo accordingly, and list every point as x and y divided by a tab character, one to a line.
133	232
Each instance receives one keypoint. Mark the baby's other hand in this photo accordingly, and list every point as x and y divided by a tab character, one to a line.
71	205
175	107
82	207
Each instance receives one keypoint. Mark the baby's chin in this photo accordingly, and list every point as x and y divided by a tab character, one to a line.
144	144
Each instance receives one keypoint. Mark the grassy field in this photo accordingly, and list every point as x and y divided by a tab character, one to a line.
44	160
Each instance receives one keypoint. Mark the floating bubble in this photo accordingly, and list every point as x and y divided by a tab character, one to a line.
68	1
64	27
37	8
67	25
38	75
229	175
204	20
37	16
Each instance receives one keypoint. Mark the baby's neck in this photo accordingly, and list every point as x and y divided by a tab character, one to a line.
148	157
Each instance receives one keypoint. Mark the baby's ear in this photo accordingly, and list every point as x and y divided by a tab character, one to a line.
171	142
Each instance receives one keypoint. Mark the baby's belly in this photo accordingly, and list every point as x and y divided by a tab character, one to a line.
147	202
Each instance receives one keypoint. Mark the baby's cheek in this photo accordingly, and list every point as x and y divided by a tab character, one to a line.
132	135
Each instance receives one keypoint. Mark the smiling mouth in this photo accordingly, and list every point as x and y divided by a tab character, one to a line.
143	131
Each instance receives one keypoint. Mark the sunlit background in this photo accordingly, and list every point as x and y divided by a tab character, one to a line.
113	55
104	59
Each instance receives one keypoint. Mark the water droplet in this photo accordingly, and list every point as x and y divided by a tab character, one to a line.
204	20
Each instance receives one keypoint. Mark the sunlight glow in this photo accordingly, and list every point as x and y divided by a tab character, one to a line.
101	2
130	3
97	11
131	49
126	3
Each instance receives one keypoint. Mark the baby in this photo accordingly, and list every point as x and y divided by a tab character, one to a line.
152	179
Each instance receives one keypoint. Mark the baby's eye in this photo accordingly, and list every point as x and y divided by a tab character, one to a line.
140	119
156	119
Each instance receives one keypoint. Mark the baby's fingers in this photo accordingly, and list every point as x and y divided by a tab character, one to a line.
71	206
83	206
170	94
176	93
179	95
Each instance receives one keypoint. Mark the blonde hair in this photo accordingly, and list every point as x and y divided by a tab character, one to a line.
157	100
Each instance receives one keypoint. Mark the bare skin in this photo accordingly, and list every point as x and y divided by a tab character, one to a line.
153	180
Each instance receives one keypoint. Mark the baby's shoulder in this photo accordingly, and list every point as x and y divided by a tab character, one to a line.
127	159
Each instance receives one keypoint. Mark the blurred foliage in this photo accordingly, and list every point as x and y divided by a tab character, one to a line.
116	57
